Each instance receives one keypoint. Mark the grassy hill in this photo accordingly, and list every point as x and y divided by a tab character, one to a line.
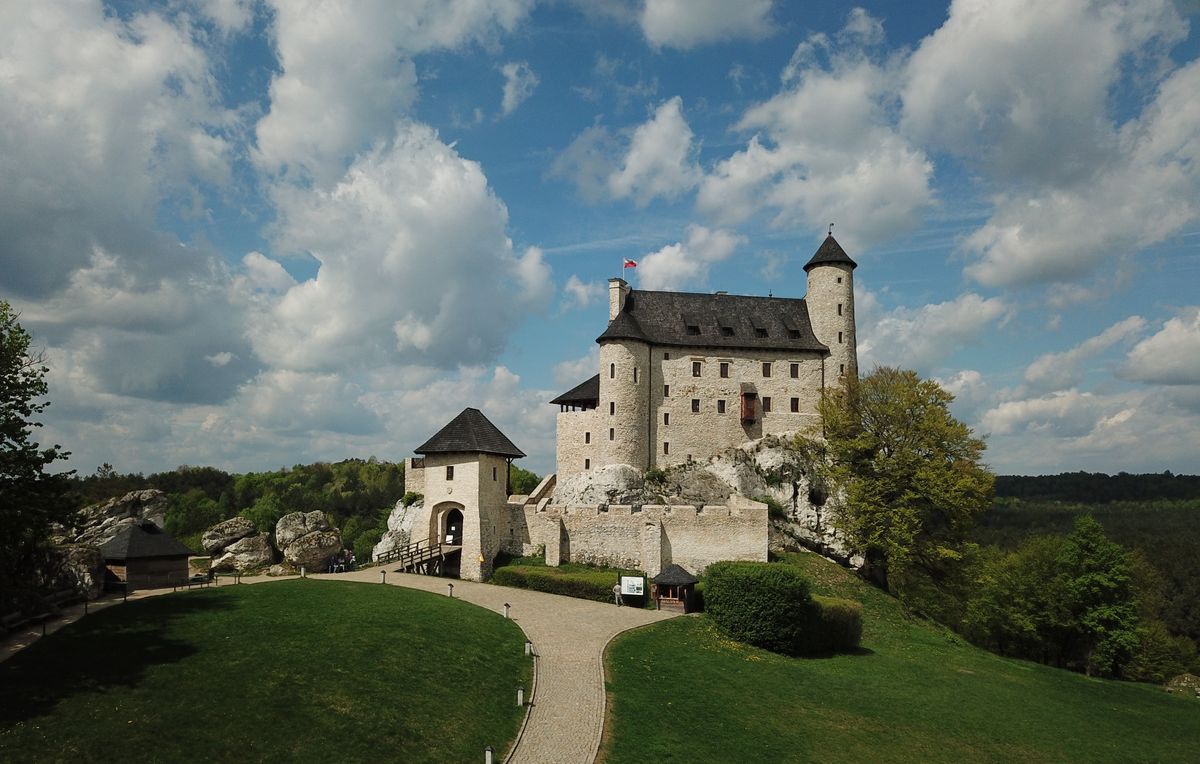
915	692
301	670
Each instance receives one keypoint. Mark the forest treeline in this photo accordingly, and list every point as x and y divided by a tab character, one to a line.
1099	488
356	495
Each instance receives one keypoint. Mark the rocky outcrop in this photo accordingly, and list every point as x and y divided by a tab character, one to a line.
245	554
291	527
313	550
223	534
399	528
306	539
98	523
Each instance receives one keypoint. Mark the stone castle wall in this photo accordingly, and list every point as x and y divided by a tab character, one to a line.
577	444
830	300
624	395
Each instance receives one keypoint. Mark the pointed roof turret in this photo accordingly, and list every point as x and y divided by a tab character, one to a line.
471	433
830	253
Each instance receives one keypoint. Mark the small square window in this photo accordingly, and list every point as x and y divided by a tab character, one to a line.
696	367
766	404
693	329
587	464
795	371
666	391
721	407
793	334
666	447
695	405
666	356
795	405
612	433
760	332
587	437
767	369
839	279
726	331
724	370
449	471
612	407
667	417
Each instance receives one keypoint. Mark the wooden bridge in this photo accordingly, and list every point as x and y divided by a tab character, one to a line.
421	557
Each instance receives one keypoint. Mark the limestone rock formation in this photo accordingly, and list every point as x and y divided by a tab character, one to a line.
399	528
294	525
100	522
313	550
245	554
225	533
80	566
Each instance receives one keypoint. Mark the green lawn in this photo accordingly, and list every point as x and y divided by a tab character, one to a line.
681	692
299	670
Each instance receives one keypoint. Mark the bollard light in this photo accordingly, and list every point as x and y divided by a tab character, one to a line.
506	606
85	603
303	572
520	696
528	647
383	576
450	590
487	754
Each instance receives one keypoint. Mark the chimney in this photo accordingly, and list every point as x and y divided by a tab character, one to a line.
618	290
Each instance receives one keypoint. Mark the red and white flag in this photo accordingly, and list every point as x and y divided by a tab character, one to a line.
630	263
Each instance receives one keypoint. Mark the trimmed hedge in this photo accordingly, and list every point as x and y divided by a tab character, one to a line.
768	605
582	586
758	603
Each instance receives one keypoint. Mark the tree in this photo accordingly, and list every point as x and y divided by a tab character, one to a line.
30	498
906	477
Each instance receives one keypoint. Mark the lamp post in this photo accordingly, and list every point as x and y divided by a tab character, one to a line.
528	647
506	606
487	754
520	696
383	576
449	590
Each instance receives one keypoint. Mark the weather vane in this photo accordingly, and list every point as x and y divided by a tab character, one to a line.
831	229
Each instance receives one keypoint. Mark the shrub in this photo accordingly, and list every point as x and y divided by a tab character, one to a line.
655	476
774	508
411	497
582	586
365	544
833	625
758	603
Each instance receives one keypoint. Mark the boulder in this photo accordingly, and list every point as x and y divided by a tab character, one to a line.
291	527
313	550
221	535
249	553
79	567
611	484
399	528
100	522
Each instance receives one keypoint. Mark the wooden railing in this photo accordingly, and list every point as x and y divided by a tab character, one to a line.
424	556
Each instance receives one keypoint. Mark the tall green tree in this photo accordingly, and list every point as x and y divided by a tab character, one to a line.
907	477
31	499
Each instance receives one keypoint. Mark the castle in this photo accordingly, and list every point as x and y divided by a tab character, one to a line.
682	377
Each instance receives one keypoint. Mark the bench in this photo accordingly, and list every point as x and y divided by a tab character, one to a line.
13	621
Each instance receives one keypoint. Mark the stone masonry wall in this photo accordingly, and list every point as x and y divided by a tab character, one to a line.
830	300
573	450
623	415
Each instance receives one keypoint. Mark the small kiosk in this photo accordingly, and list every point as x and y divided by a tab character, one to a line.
673	589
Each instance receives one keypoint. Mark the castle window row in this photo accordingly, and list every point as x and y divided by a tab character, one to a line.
723	368
696	408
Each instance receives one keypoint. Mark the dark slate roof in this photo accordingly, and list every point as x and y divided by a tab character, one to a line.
720	321
140	541
471	433
673	575
830	252
584	394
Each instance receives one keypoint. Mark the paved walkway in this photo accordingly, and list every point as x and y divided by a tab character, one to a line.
566	717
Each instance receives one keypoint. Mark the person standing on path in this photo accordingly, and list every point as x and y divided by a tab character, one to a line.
617	593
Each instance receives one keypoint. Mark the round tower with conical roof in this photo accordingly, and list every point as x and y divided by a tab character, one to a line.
830	301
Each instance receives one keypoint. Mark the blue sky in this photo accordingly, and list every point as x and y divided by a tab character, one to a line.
255	234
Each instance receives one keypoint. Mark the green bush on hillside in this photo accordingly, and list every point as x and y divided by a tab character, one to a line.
581	586
761	604
833	626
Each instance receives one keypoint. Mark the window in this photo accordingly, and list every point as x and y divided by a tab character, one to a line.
724	369
793	334
766	368
587	464
795	405
696	368
795	371
449	471
766	405
635	368
839	309
667	417
839	338
693	329
612	371
587	437
612	433
666	356
839	279
749	404
666	391
493	473
666	447
721	407
727	331
841	368
695	405
612	407
760	332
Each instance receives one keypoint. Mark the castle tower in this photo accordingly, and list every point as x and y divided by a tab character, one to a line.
625	381
830	300
464	474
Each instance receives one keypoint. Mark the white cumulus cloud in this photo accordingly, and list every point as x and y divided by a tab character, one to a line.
1171	356
686	263
688	23
1060	371
519	84
660	160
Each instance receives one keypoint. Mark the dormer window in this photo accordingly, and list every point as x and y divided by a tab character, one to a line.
693	325
693	329
793	334
726	331
760	331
